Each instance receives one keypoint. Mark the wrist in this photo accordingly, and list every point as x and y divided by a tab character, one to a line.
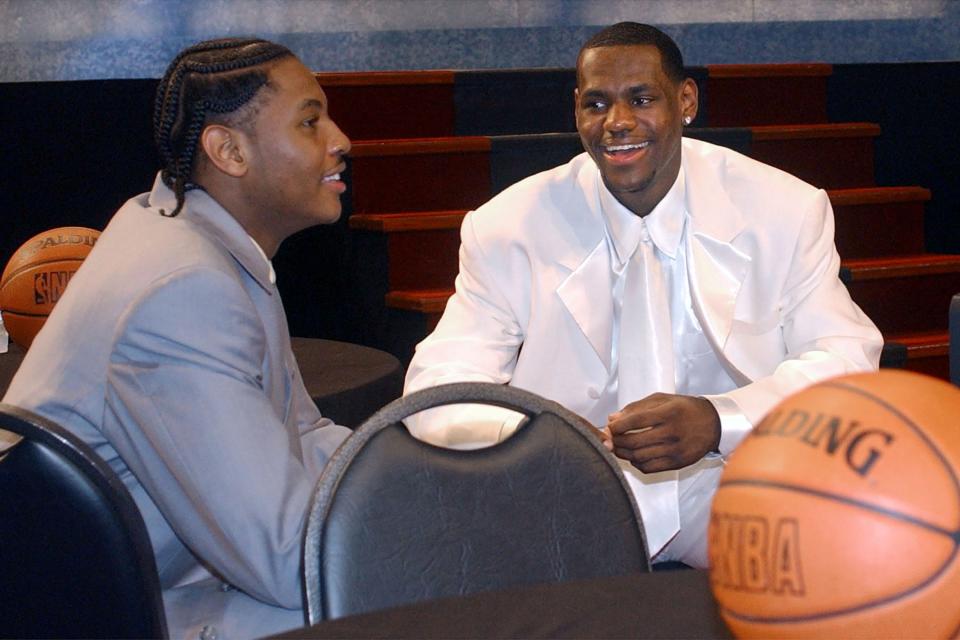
717	430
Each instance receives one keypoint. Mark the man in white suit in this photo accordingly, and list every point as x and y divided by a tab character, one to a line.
668	290
169	353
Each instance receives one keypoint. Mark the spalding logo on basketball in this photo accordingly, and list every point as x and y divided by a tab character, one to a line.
37	275
839	515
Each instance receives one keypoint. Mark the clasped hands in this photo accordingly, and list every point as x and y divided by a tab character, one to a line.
663	431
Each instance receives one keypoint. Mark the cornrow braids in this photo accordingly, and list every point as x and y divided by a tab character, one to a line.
209	81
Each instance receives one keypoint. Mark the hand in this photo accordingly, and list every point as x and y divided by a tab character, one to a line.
663	432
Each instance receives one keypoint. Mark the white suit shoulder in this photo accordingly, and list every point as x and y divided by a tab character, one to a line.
752	187
554	207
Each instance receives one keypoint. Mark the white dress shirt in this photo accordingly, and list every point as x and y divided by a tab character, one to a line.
696	368
682	362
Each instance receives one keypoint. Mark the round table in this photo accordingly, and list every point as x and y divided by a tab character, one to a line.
668	604
349	382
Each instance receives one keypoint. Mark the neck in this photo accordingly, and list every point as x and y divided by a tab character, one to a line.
228	193
640	201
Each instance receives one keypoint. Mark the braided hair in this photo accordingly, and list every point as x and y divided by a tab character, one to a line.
209	81
635	33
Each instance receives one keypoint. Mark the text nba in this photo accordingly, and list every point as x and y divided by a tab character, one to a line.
48	286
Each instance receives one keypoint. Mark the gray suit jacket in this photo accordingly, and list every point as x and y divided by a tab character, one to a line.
169	353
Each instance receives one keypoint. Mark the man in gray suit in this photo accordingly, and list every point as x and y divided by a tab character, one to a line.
170	355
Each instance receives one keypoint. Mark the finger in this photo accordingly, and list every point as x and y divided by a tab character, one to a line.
658	412
641	406
645	455
656	465
632	422
649	402
606	438
644	438
603	435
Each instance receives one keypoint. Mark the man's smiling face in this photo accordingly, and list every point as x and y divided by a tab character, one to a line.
630	119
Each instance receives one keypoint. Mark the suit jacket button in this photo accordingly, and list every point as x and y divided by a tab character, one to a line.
593	392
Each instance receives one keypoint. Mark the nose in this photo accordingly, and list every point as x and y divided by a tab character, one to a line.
619	118
339	142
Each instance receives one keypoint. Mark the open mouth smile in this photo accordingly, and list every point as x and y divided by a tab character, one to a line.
622	148
333	181
624	153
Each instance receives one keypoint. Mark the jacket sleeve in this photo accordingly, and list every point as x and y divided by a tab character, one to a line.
824	333
478	339
187	410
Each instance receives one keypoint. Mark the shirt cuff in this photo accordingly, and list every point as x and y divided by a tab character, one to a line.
464	426
734	425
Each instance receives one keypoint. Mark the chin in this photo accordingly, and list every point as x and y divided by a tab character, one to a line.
329	217
628	186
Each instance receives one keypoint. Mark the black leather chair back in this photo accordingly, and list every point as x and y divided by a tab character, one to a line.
75	559
395	520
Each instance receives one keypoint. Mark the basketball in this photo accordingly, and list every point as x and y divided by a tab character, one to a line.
37	274
838	516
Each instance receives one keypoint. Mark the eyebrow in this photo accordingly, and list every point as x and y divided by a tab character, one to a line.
644	88
311	102
637	88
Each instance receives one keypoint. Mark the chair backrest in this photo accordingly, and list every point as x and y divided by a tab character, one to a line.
395	520
955	339
75	557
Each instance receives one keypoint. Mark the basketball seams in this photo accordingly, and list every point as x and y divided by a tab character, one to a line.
24	314
34	265
820	615
819	493
36	276
907	421
953	536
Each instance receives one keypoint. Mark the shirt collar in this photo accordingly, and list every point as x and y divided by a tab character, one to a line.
664	224
272	274
208	215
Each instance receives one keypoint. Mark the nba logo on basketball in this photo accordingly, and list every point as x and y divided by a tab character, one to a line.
751	553
37	275
48	286
838	516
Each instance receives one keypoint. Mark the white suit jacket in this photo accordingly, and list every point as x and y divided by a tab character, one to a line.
533	301
169	354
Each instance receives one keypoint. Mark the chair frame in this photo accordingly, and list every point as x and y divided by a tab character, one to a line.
488	393
32	427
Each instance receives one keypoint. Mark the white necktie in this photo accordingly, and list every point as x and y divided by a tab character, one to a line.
646	366
646	342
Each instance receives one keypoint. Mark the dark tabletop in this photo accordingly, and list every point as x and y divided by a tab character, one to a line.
669	604
347	381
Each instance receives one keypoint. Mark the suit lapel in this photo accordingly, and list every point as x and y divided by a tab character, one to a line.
587	293
716	267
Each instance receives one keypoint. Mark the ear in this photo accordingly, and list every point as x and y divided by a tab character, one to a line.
225	148
689	99
576	106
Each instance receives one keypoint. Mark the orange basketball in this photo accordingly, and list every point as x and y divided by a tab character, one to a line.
839	515
36	276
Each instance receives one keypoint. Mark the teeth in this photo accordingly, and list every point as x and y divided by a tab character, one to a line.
627	147
332	178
